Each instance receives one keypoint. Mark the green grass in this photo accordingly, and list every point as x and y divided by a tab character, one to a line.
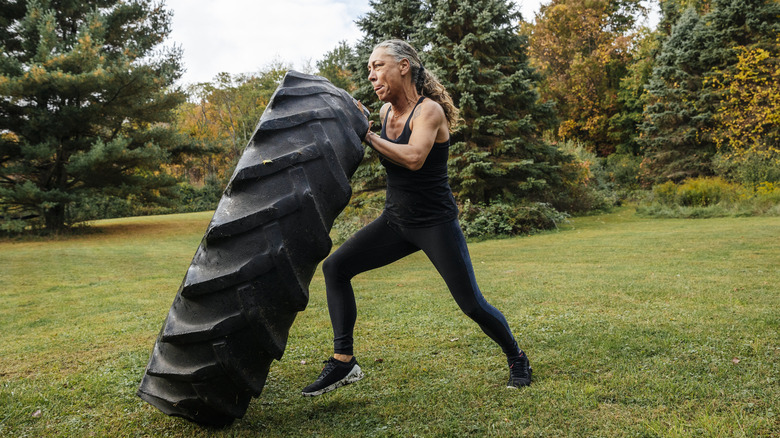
634	327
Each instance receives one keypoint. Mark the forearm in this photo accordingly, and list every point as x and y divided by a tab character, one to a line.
404	155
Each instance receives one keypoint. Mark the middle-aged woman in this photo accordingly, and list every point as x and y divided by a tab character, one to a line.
420	213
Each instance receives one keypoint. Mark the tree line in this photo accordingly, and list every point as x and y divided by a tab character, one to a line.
565	113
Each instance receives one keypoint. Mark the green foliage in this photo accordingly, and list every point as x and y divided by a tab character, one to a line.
711	197
220	119
508	219
589	187
86	110
683	98
497	152
696	192
623	171
584	49
680	107
335	66
363	208
747	132
750	170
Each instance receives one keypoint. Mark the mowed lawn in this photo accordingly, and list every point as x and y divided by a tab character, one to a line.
634	327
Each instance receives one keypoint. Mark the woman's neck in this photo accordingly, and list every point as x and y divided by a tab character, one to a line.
404	102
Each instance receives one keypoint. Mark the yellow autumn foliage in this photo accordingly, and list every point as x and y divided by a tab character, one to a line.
748	119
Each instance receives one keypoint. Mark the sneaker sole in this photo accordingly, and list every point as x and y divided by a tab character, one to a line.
354	375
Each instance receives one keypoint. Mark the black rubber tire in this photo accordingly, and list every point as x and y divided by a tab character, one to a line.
251	274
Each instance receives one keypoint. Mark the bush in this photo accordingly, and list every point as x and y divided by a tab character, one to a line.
476	220
711	197
588	186
363	208
697	192
505	219
750	171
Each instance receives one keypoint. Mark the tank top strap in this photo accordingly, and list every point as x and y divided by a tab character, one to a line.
406	132
409	119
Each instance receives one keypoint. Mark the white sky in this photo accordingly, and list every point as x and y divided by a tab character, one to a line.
243	36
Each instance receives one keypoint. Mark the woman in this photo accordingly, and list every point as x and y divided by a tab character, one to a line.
420	213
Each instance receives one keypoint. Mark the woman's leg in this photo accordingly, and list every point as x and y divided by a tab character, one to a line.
446	247
371	247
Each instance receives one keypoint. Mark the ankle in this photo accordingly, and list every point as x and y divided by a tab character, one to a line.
346	358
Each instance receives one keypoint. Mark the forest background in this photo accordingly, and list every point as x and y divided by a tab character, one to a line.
580	110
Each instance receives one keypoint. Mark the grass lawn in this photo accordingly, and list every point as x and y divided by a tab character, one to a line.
634	327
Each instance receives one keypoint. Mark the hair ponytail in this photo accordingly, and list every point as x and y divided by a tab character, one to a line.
427	83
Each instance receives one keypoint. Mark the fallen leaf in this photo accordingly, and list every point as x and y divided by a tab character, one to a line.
379	360
37	413
735	360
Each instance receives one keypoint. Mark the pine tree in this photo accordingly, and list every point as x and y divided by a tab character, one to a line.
87	97
677	133
335	66
401	19
478	53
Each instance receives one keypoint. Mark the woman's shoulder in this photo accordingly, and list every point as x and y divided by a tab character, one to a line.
383	111
429	108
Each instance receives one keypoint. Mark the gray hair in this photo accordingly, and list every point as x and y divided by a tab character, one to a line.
426	82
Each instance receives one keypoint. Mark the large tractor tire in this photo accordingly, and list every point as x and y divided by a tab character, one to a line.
251	273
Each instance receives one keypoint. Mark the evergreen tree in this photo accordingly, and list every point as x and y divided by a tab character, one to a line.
672	10
335	66
675	144
87	97
402	19
677	138
481	58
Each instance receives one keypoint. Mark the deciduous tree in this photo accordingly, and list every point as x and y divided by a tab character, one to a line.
86	97
584	48
747	122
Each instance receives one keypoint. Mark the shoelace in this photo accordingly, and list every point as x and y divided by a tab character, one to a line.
329	366
518	371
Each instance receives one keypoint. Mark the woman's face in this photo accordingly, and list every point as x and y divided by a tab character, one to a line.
385	73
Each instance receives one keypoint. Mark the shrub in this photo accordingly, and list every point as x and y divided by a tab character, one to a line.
701	192
476	220
505	219
697	192
711	197
588	184
363	208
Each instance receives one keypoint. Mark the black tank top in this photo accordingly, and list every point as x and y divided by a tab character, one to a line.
419	198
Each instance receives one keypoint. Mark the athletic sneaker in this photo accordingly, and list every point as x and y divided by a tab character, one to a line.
334	375
519	372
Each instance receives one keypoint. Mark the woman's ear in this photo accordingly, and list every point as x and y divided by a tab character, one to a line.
405	66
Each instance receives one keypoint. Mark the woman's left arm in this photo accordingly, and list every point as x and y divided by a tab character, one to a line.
426	123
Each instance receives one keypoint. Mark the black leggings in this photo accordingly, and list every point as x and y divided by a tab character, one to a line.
381	243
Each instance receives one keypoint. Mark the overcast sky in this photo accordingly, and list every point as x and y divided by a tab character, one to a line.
243	36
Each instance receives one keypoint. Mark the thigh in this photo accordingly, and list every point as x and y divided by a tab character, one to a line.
373	246
446	247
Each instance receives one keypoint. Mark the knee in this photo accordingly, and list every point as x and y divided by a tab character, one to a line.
333	270
472	310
